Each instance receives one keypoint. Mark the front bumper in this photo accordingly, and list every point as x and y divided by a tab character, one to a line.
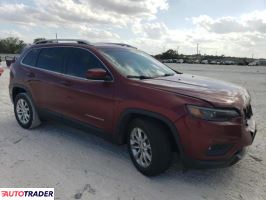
199	139
202	164
220	163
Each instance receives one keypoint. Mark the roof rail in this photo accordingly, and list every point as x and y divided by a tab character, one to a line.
123	44
62	40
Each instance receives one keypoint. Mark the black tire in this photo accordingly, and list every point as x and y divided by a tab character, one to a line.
33	120
160	146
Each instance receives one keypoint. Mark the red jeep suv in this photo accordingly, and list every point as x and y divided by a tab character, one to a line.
131	98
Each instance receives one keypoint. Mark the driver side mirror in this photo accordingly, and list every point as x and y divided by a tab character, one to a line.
98	74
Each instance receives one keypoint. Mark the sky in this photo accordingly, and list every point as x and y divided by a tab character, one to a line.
220	27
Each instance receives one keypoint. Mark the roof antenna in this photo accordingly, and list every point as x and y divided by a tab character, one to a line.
56	37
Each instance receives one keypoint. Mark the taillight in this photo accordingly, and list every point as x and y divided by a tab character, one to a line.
1	70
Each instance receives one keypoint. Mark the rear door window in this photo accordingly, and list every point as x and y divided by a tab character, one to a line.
51	59
79	61
31	57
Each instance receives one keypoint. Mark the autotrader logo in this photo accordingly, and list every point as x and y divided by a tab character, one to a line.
26	193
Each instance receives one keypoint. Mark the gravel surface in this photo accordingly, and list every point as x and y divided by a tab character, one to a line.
81	166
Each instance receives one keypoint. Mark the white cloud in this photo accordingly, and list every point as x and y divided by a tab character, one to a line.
136	22
254	21
221	25
236	36
4	33
110	12
98	34
150	30
239	36
129	7
88	18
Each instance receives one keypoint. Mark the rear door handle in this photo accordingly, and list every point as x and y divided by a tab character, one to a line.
30	75
66	83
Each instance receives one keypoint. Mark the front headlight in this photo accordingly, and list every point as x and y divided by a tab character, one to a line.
212	114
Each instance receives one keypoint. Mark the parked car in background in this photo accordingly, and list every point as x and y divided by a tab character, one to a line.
204	62
167	61
254	63
9	60
196	62
229	62
180	61
131	98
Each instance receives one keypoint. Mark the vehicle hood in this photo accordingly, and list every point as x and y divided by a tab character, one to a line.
216	92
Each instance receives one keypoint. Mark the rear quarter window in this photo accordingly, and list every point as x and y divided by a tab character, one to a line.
51	59
31	57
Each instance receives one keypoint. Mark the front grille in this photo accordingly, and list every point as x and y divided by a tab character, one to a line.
248	112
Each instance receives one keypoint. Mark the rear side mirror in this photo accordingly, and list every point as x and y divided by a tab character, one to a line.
98	74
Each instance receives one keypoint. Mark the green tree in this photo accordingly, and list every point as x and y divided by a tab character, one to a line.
11	45
169	54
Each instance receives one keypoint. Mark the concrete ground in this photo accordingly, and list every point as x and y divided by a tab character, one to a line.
81	166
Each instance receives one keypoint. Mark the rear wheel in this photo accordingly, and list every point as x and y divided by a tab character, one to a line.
149	147
25	112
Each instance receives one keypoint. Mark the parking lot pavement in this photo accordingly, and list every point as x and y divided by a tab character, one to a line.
81	166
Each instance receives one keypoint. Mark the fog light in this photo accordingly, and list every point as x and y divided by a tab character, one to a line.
218	149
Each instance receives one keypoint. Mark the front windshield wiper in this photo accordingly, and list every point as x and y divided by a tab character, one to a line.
140	77
177	71
169	74
150	77
164	75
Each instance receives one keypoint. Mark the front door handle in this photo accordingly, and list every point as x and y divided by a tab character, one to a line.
66	83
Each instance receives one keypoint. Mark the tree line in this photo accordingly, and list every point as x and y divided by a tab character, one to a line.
13	45
172	54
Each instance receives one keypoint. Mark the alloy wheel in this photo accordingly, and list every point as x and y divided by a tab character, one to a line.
141	147
23	111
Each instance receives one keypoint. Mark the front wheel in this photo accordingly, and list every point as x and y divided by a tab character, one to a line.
25	112
149	147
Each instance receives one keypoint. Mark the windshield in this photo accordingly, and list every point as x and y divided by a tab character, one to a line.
133	63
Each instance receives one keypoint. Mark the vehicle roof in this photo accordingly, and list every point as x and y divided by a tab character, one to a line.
81	43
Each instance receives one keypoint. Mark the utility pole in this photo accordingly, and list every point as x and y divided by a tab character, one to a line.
252	51
56	36
197	48
177	49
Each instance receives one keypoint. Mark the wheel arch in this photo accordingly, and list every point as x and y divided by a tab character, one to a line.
16	89
130	114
